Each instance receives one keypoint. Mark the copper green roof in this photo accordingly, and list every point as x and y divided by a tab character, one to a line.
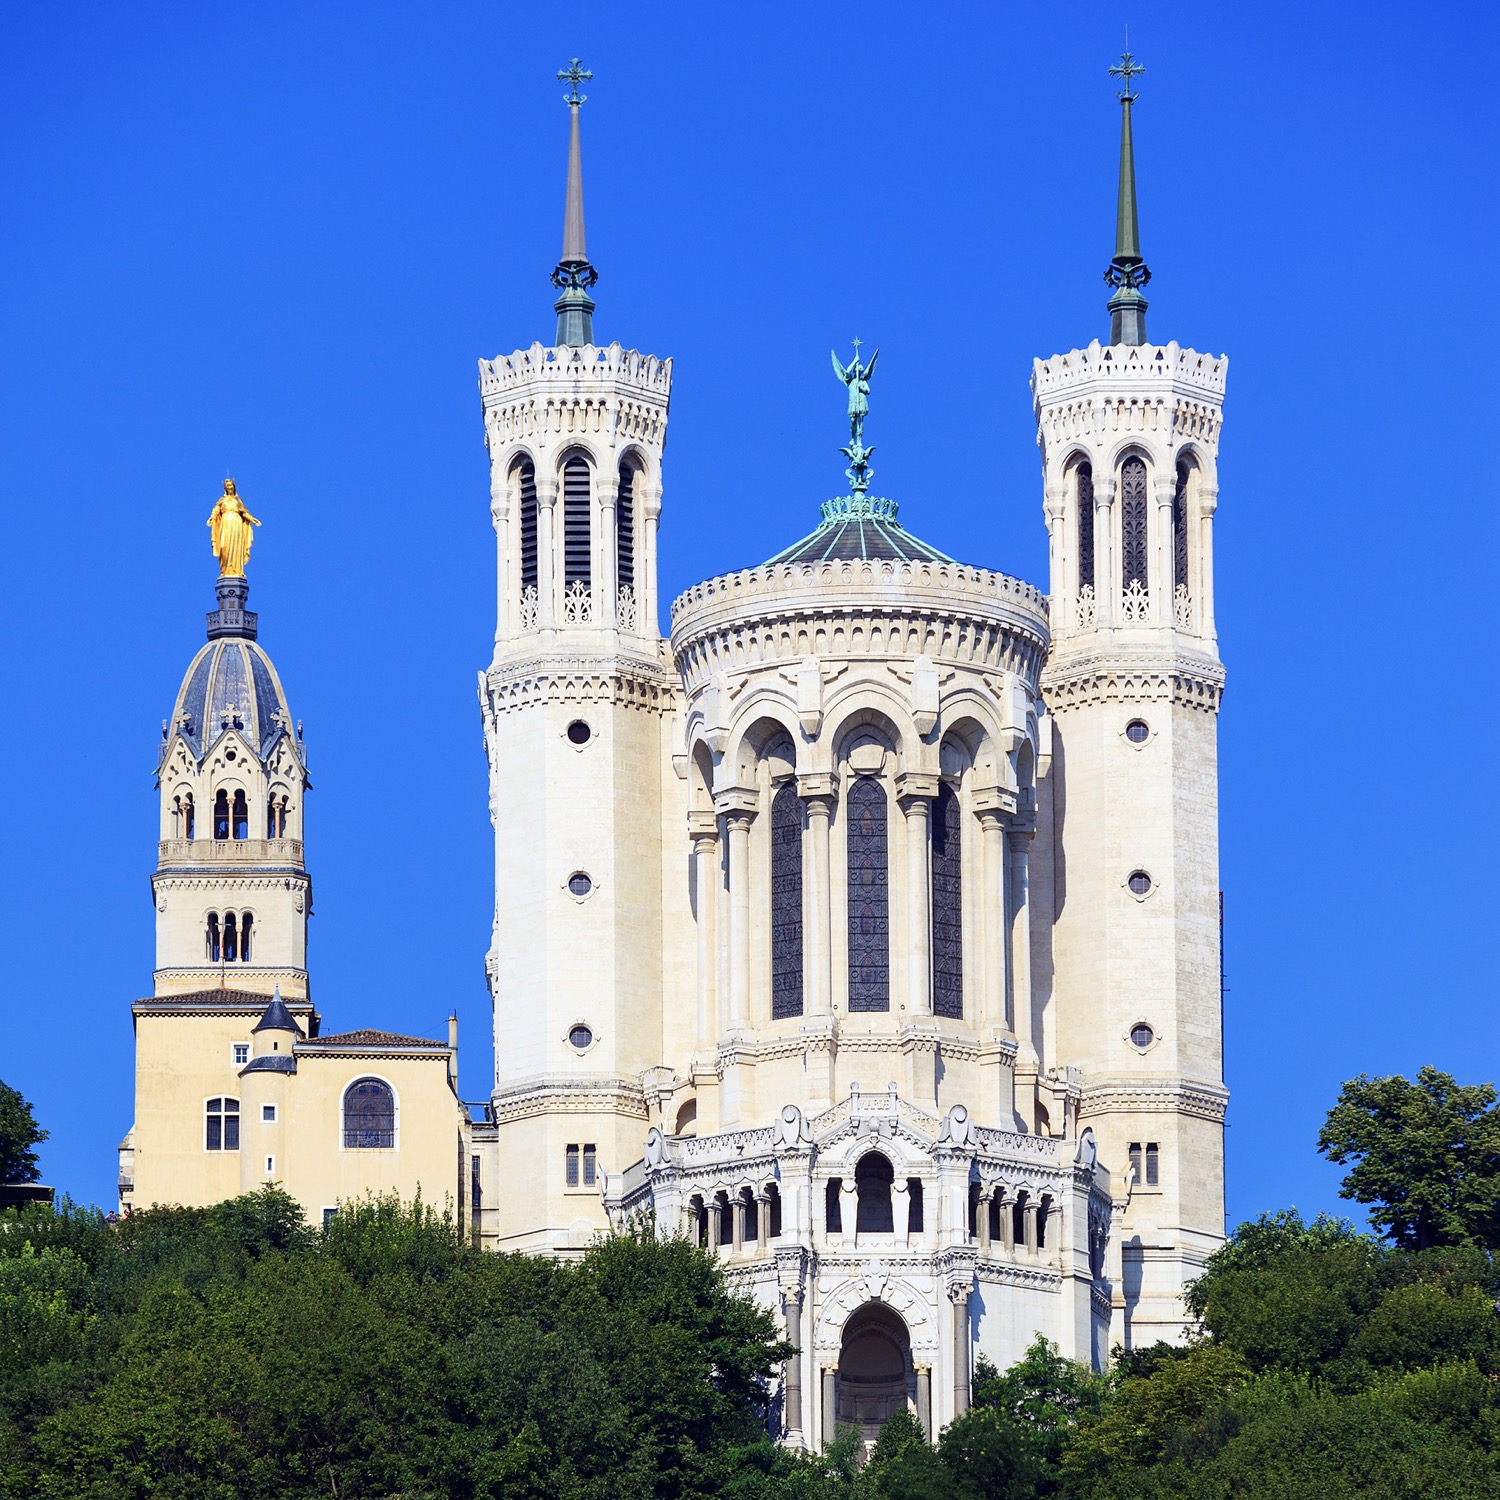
859	527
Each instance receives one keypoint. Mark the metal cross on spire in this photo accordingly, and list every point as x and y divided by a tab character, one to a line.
1126	69
575	73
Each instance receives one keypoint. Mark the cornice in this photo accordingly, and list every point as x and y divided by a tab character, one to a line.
1125	1095
510	685
1075	677
557	1094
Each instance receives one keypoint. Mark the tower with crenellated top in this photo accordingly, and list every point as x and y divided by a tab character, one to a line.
576	703
1129	434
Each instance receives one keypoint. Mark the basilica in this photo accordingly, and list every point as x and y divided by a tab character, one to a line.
864	928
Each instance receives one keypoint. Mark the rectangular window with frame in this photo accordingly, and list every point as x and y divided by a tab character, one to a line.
588	1165
329	1215
1153	1164
270	1165
268	1114
1135	1161
241	1054
572	1176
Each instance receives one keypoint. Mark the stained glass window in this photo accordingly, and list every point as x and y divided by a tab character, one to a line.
947	907
1085	526
528	526
869	897
578	559
1179	530
625	527
786	902
1133	521
369	1115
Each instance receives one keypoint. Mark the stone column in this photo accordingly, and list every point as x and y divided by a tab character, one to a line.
1106	585
982	1219
1018	846
762	1221
1163	606
1208	503
1062	569
1007	1226
1029	1219
737	1223
915	791
959	1296
830	1403
924	1399
645	564
818	792
738	812
792	1370
714	1225
993	919
606	492
546	546
704	829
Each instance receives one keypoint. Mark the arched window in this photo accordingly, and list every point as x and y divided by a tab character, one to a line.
221	1125
947	906
275	817
213	937
528	526
786	902
245	920
773	1211
369	1115
873	1177
869	897
698	1213
241	816
751	1210
578	557
1043	1214
1133	522
1085	473
1018	1217
1180	530
625	528
221	814
231	933
833	1212
187	816
726	1218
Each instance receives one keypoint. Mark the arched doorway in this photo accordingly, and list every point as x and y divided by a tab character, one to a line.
874	1364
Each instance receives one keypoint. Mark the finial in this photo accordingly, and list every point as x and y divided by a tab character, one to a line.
1127	272
573	275
856	377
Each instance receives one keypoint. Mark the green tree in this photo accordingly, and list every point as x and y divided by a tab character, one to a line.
19	1136
1425	1155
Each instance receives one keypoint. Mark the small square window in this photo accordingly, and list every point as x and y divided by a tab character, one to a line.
241	1054
268	1113
329	1215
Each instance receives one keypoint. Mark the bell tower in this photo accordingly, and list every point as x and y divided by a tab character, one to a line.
1129	438
577	703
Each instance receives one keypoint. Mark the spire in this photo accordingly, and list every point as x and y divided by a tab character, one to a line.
1127	272
573	274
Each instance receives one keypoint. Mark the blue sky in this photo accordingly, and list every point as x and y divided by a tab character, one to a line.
275	239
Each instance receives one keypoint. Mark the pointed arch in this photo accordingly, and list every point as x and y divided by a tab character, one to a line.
1180	527
526	505
625	527
1134	537
1083	499
578	551
866	808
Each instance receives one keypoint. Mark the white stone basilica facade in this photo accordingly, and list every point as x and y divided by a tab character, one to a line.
865	927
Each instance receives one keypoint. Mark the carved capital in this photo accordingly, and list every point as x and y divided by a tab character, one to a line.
703	830
819	789
737	805
791	1272
914	787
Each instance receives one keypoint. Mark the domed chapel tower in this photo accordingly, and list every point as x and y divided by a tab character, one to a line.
1129	435
232	896
576	705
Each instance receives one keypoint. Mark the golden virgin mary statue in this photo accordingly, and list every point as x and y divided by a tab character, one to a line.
230	534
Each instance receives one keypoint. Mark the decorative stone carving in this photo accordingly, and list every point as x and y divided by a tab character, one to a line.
792	1129
810	696
656	1148
956	1129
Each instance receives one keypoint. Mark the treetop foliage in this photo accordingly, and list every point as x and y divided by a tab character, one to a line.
20	1135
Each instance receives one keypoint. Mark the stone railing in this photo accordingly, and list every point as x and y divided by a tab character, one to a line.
539	363
230	851
728	1145
1145	363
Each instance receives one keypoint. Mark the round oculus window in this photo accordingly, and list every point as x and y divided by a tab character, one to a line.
229	753
579	733
1141	1035
582	1038
1140	883
1137	731
579	884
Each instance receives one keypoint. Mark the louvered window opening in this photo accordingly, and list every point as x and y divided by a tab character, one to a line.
1085	526
786	902
1133	521
528	526
1179	530
869	898
625	528
369	1116
577	553
947	906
